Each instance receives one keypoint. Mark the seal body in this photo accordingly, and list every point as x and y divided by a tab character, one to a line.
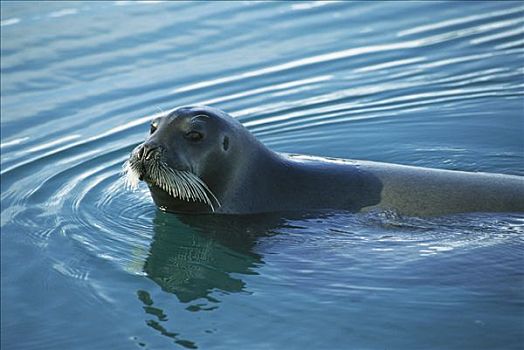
239	175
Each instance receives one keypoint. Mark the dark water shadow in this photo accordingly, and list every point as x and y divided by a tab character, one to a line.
191	256
197	257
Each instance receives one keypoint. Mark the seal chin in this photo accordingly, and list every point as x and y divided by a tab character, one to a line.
156	172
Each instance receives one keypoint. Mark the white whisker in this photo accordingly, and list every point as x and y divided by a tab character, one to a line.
131	178
177	183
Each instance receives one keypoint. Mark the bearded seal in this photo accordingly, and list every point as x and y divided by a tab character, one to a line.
202	160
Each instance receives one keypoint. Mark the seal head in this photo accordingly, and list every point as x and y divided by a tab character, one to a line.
185	154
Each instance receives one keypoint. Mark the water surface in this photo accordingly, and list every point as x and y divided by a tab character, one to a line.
87	264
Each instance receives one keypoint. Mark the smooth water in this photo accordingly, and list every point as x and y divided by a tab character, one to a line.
87	264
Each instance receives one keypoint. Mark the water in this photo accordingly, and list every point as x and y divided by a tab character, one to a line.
89	265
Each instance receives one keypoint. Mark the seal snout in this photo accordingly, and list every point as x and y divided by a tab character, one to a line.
143	157
148	151
148	163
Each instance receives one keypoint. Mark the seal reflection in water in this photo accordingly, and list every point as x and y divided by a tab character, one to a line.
201	160
201	260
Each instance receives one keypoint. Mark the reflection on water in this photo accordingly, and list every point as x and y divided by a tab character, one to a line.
193	259
420	83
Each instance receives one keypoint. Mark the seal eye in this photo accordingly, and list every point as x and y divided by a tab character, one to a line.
153	127
194	136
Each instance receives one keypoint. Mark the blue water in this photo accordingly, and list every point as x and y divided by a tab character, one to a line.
87	264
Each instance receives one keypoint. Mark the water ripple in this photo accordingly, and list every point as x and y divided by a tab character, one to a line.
461	21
